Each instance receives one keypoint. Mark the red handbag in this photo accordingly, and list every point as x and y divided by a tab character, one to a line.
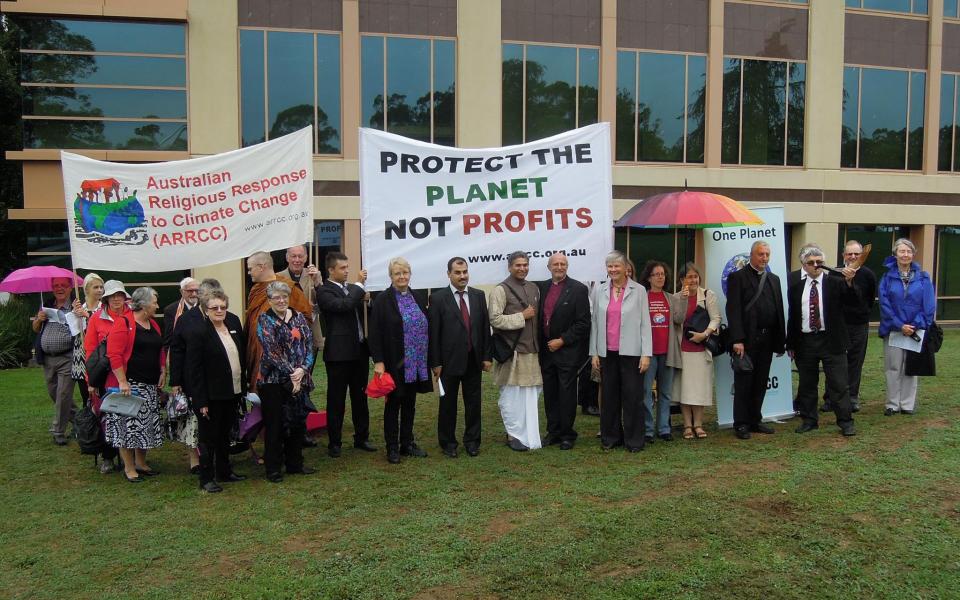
380	386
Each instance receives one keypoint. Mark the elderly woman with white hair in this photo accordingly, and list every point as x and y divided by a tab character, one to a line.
284	382
135	350
621	343
908	305
398	345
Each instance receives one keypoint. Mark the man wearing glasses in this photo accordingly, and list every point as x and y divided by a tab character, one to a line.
189	296
817	334
857	317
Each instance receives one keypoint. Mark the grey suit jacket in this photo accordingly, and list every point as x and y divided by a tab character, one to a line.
635	335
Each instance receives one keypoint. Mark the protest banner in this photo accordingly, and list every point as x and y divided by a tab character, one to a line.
428	203
727	249
189	213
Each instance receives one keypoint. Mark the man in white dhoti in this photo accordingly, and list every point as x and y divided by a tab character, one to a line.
513	316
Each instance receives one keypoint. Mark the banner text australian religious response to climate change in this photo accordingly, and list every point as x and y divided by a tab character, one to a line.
182	214
428	203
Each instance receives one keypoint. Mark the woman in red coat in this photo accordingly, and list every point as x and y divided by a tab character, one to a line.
135	350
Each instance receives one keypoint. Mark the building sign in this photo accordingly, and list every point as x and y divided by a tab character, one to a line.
180	214
428	203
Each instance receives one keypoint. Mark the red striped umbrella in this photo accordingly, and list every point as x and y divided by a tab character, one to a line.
696	210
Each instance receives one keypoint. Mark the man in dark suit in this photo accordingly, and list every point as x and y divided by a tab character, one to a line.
756	328
564	337
460	348
857	317
817	333
189	290
345	353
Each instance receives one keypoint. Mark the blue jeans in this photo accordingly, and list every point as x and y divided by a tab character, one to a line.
663	374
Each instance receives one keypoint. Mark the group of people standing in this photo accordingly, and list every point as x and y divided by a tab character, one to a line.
649	348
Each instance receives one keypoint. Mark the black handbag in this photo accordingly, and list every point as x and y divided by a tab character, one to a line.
98	366
698	321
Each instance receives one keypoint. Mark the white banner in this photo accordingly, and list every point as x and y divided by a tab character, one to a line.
430	203
727	249
189	213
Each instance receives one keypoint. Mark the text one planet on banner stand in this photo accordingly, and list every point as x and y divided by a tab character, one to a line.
428	203
727	249
189	213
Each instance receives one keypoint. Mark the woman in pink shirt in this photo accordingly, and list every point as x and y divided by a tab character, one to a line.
621	346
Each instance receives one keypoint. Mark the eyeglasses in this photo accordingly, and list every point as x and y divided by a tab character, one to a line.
852	253
192	291
814	263
217	308
280	298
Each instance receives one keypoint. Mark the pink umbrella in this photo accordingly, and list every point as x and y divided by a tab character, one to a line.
36	279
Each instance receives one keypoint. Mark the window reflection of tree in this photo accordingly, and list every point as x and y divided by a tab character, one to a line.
414	121
297	117
48	34
551	107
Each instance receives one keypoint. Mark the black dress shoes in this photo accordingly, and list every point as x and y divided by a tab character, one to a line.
906	412
854	406
826	407
648	439
742	433
550	441
593	411
634	449
667	437
566	445
805	427
365	446
450	451
334	451
889	412
274	477
848	430
211	487
413	450
302	471
393	456
472	449
516	445
232	477
762	428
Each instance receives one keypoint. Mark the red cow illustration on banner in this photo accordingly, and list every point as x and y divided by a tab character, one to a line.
91	188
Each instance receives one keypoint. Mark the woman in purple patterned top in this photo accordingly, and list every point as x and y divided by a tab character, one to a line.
398	345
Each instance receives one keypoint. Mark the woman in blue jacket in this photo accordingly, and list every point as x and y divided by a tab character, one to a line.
907	305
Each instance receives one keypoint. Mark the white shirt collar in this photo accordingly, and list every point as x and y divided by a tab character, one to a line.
819	279
456	291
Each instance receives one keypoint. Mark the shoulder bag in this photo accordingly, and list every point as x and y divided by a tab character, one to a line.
502	349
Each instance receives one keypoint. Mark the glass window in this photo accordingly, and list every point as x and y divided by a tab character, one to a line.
104	102
252	84
103	36
918	7
626	106
98	87
948	261
881	237
548	90
416	76
946	156
103	69
763	106
889	133
101	134
512	94
950	8
408	82
851	117
290	80
660	106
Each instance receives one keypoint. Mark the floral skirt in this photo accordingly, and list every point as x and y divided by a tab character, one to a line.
184	430
141	432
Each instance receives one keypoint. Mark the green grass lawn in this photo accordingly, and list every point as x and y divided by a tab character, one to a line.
782	516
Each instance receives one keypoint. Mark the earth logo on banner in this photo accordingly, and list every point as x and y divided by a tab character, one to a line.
735	264
107	216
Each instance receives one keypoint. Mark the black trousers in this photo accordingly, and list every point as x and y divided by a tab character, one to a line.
469	383
283	446
213	439
750	388
560	399
621	417
814	349
343	376
858	334
398	414
586	387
